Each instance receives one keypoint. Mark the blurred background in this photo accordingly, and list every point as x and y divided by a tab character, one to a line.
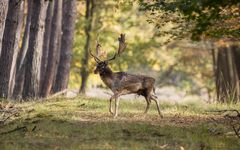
190	47
160	44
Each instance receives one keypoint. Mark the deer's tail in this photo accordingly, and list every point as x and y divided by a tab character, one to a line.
154	90
154	93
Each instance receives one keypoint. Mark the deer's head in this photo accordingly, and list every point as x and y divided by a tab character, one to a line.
102	65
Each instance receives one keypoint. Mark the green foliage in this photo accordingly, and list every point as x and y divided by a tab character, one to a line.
110	19
147	51
210	18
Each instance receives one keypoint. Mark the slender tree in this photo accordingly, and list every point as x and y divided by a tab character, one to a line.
53	49
69	16
57	60
34	52
227	72
21	61
3	14
47	34
16	47
10	46
88	28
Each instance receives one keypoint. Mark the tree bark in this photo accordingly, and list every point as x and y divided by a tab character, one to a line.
3	15
57	61
53	49
14	62
47	34
69	16
10	46
34	52
227	74
88	29
21	61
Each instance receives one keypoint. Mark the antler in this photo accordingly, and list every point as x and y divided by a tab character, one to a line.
98	48
97	51
95	57
122	46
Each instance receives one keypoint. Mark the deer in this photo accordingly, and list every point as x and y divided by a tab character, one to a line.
122	83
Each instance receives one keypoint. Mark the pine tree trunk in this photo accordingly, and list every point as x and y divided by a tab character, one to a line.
53	49
3	15
21	61
57	61
47	34
9	46
34	52
227	74
88	29
69	16
14	62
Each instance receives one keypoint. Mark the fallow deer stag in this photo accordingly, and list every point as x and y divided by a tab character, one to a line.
122	83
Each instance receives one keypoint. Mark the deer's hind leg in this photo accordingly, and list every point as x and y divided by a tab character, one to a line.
158	107
148	100
110	104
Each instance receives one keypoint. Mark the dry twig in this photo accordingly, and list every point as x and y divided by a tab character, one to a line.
233	119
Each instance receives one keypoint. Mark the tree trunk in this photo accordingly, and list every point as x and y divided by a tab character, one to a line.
3	15
34	52
88	29
9	46
57	61
21	61
52	55
47	34
227	74
14	62
69	16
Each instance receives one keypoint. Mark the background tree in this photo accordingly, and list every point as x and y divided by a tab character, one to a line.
3	14
85	60
68	26
14	61
34	52
53	49
206	20
21	61
199	18
226	57
10	46
46	41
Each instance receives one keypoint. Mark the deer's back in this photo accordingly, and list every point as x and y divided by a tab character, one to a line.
132	83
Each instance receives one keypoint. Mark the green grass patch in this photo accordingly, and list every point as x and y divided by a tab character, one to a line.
84	123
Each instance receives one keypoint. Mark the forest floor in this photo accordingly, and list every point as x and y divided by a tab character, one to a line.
85	123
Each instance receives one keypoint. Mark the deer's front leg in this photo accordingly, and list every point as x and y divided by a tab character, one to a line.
116	106
110	105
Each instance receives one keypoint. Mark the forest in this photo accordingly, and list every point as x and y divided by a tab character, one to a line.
120	74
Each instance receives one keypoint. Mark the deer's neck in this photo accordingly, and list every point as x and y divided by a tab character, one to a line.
107	77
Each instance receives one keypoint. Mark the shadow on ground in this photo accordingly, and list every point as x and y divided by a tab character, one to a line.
82	124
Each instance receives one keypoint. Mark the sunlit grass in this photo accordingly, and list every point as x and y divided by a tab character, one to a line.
85	123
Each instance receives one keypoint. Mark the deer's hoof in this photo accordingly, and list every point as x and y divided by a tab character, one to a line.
161	115
111	112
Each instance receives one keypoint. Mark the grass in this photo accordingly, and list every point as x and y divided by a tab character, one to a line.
84	123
